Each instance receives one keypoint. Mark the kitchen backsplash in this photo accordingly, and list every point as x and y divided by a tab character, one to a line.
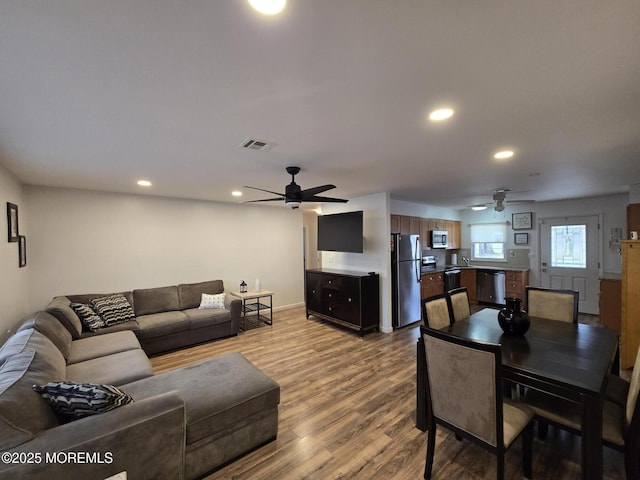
516	258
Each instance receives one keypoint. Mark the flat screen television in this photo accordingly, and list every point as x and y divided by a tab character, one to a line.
341	232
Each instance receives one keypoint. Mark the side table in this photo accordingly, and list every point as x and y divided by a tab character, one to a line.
253	304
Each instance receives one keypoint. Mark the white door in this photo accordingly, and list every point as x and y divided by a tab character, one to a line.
569	257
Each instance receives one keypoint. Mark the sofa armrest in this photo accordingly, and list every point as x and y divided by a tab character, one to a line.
235	307
60	308
145	438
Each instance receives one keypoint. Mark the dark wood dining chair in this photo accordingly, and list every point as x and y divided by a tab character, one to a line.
465	388
436	311
620	423
460	306
553	304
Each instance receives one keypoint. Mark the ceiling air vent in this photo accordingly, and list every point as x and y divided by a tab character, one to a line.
255	144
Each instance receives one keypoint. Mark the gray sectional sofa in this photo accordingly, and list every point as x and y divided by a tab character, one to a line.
166	317
181	424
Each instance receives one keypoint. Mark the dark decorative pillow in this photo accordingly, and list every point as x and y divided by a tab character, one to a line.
76	400
88	316
113	309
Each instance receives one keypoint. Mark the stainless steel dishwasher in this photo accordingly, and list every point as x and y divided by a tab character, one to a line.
490	285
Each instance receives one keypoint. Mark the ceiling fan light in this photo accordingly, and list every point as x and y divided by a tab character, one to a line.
503	155
479	207
292	203
440	114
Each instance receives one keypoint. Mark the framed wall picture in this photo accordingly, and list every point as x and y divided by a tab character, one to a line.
521	221
12	221
22	251
521	238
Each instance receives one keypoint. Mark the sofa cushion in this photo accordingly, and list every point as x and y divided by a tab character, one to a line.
154	300
23	412
161	324
215	300
131	325
113	309
190	293
218	393
87	297
51	327
76	400
60	308
199	318
88	316
100	345
115	369
31	339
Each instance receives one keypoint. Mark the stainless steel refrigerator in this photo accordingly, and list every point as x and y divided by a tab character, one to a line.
405	279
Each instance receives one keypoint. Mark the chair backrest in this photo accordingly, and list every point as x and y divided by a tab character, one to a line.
436	311
559	305
460	303
464	384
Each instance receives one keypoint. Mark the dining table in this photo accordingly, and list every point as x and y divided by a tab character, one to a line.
569	360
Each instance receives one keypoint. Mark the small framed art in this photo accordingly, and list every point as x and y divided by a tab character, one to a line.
521	238
521	221
12	221
22	251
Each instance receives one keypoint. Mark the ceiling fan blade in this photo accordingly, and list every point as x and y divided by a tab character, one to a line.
324	199
263	190
520	201
264	200
316	190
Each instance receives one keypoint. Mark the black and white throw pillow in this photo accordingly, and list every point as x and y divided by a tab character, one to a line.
74	400
88	316
113	309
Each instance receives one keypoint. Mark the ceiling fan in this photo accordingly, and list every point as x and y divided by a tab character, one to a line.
499	197
294	195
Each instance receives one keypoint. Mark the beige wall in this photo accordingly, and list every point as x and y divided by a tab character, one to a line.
13	280
82	241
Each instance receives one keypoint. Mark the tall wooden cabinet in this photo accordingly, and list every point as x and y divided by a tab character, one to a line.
610	303
630	319
351	299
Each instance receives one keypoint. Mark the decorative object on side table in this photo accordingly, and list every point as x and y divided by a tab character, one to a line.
512	320
521	221
22	251
12	221
521	238
243	287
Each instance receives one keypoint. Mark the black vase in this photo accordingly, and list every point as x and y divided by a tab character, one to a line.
512	320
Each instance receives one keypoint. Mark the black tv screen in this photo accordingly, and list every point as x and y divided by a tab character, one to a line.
340	232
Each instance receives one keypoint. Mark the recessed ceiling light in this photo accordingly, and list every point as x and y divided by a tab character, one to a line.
440	114
504	154
268	7
479	207
144	183
236	193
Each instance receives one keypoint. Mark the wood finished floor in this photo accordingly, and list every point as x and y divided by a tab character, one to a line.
347	410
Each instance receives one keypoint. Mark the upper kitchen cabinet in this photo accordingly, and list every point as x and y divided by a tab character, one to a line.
633	218
425	237
437	224
405	225
395	223
453	234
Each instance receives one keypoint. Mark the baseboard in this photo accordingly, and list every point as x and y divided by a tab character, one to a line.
286	307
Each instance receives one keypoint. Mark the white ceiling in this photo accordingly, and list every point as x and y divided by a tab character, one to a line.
97	94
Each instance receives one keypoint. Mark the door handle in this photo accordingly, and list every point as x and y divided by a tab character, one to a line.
544	270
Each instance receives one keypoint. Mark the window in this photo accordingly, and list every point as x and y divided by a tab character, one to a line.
488	241
569	246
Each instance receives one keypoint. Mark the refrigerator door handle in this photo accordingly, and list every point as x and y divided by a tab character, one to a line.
417	267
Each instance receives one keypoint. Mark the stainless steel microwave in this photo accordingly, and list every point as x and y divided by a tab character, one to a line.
438	239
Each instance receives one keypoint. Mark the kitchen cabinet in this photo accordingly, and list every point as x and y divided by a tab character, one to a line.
431	284
630	305
350	299
395	223
425	237
610	303
515	283
438	224
468	280
633	218
453	234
